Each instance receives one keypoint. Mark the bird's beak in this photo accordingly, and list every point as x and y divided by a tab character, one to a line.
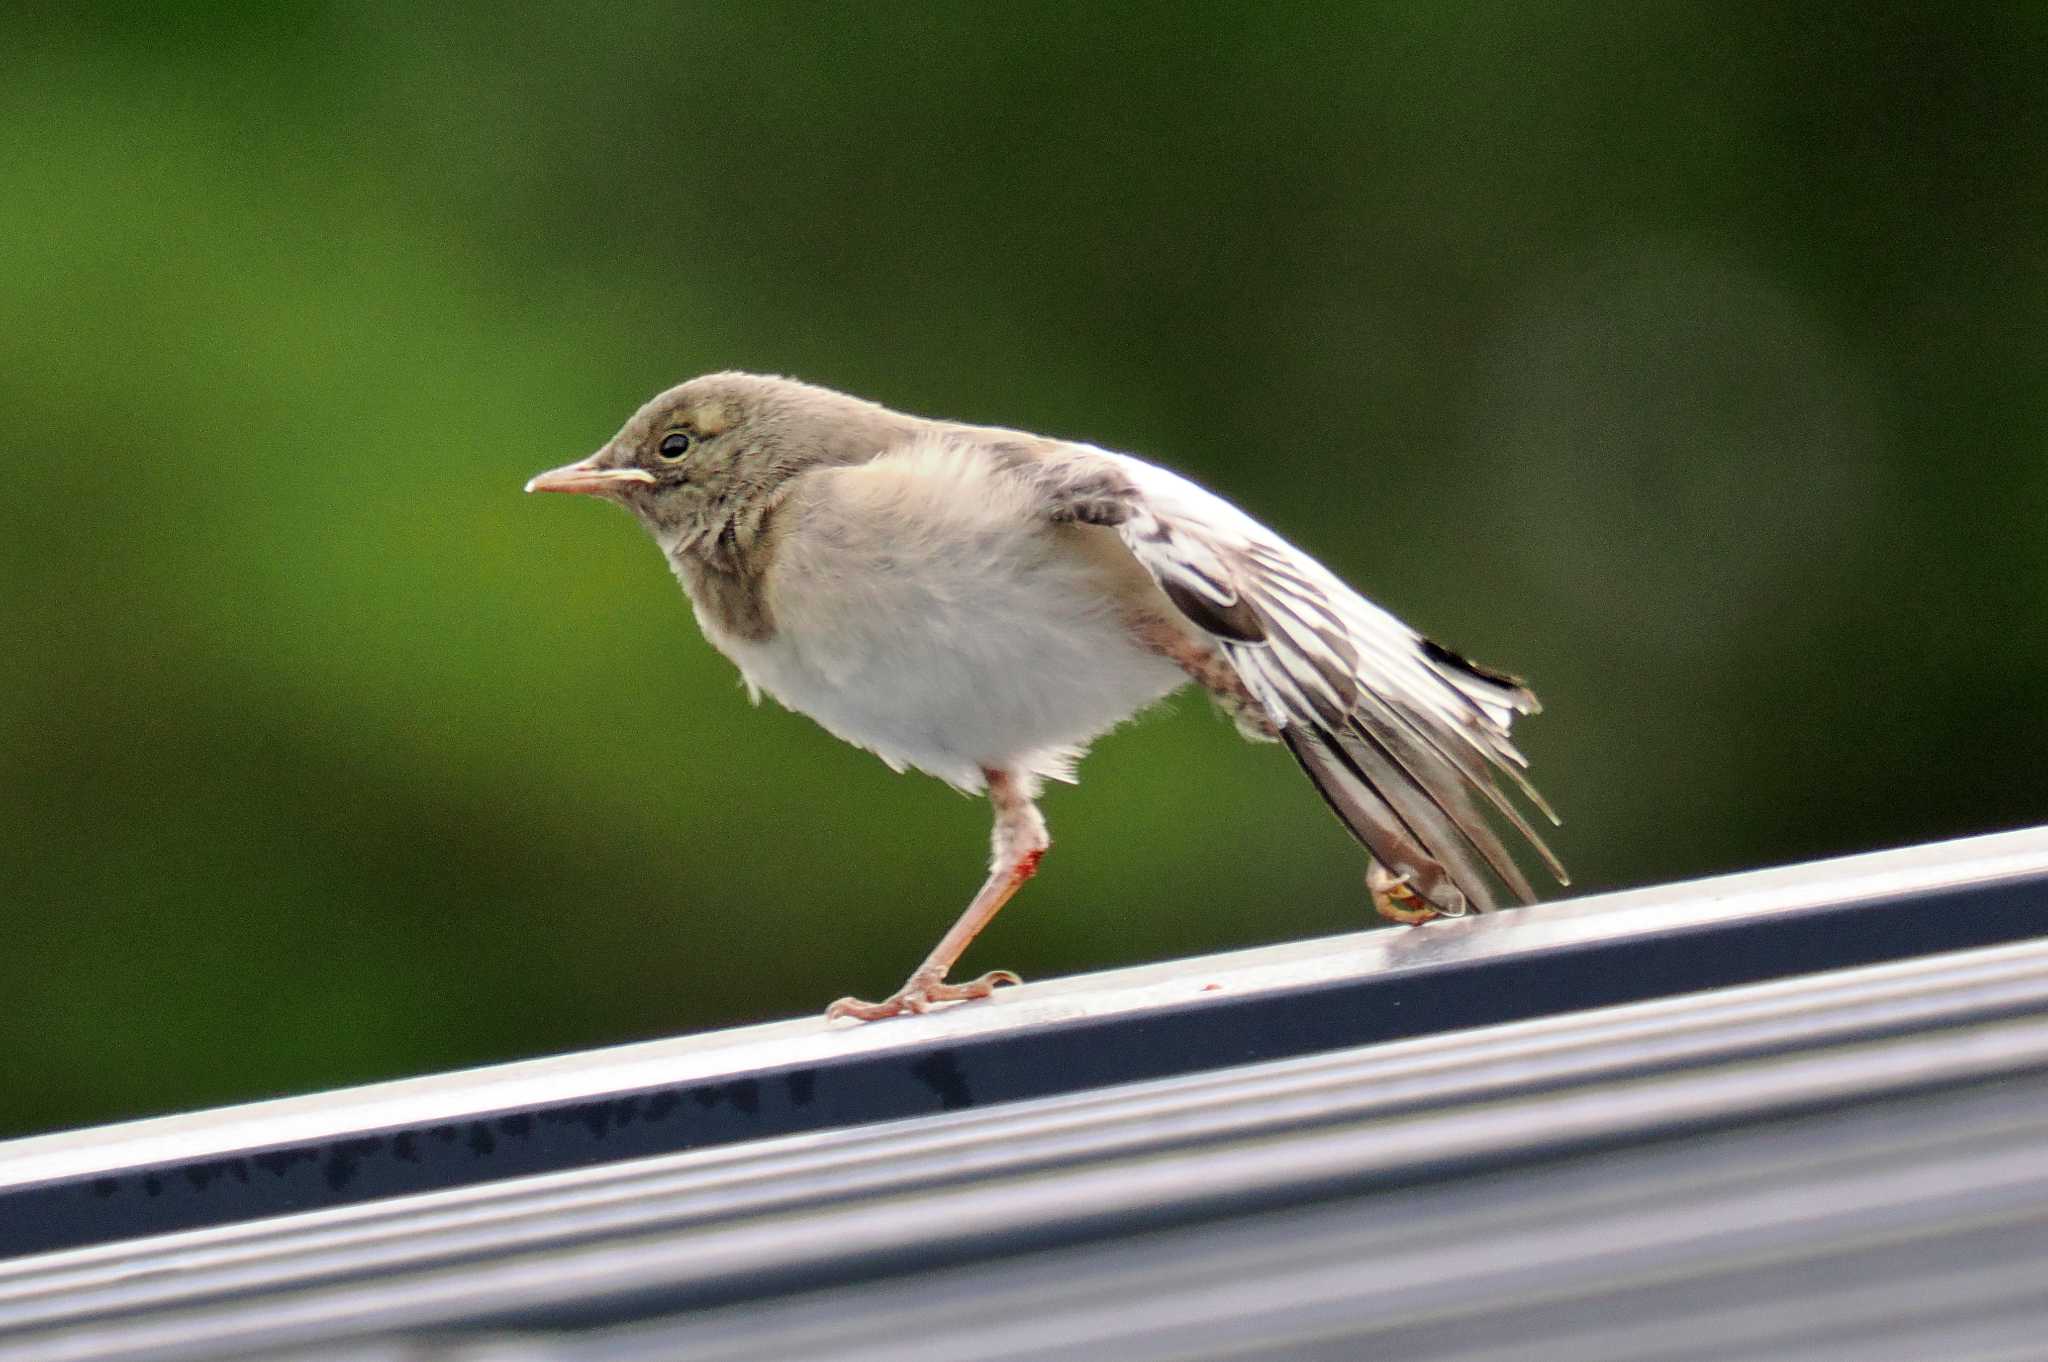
586	476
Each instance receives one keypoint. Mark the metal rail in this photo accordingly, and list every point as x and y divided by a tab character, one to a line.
1818	1153
1064	1037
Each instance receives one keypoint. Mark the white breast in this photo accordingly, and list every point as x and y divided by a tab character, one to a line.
924	611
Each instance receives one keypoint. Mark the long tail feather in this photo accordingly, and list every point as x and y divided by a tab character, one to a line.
1478	775
1365	810
1442	783
1423	812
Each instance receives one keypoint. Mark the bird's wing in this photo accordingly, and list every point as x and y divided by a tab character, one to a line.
1397	732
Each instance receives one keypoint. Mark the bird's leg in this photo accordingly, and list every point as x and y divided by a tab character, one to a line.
1019	841
1208	668
1393	900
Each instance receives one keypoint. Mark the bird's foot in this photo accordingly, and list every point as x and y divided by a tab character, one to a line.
1393	900
920	993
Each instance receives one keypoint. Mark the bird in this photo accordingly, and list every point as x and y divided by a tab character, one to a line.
981	604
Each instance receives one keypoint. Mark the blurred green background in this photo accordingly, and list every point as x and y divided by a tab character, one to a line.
1687	359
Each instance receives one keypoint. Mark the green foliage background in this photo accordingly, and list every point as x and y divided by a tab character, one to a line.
1688	359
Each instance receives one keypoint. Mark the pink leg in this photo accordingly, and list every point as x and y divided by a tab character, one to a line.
1020	840
1206	665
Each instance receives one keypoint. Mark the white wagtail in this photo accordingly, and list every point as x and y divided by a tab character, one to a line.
981	604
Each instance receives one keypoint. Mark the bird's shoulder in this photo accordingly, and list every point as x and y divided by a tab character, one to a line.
937	477
939	465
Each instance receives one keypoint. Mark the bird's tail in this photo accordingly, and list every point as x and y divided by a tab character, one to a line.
1402	779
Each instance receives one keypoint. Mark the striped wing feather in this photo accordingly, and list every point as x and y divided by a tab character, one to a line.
1402	736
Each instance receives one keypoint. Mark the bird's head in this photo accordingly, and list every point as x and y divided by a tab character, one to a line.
699	457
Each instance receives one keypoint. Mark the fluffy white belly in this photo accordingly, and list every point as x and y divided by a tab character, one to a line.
952	681
950	638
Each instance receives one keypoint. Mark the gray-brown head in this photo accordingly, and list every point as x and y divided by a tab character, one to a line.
704	457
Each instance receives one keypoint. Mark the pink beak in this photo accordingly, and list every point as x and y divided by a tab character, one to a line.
586	477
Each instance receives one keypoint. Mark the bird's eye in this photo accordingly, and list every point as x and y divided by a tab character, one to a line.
674	445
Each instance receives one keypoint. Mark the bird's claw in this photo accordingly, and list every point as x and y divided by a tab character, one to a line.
1393	900
920	994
